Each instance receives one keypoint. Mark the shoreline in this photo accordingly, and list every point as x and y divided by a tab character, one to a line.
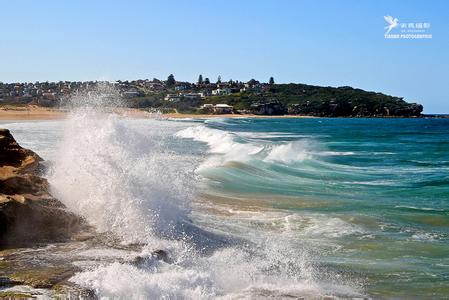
30	113
33	113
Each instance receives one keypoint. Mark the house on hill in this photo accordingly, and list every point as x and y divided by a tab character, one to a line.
218	108
172	98
223	109
221	92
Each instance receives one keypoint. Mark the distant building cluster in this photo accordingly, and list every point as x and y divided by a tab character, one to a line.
171	91
51	93
252	97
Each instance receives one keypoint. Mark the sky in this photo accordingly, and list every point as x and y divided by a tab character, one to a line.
328	43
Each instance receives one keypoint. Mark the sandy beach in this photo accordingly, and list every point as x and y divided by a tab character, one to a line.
33	112
30	112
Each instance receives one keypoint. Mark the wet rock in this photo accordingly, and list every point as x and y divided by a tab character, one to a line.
14	158
28	213
43	277
15	295
161	255
6	282
71	291
146	261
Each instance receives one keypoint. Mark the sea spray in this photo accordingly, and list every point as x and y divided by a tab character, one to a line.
125	178
366	208
120	179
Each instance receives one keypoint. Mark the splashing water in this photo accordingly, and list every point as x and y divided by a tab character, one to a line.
120	179
252	208
125	178
105	173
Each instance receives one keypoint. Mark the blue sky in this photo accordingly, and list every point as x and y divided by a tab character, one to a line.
331	43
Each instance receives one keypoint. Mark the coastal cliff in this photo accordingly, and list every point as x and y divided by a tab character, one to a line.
318	101
28	212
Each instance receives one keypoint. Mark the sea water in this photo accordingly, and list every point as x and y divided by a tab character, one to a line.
254	208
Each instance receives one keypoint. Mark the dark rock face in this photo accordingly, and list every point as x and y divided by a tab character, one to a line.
411	110
349	109
147	261
269	108
28	213
13	158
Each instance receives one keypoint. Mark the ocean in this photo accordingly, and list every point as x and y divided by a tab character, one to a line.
255	207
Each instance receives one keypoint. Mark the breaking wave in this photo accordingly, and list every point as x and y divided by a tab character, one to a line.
126	179
244	146
235	147
120	179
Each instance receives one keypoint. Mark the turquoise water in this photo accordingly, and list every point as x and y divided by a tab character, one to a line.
269	208
386	182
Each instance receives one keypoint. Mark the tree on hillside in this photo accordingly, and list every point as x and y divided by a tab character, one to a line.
207	81
271	81
200	79
253	82
219	79
171	80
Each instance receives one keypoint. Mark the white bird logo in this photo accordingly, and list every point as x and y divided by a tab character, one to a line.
393	23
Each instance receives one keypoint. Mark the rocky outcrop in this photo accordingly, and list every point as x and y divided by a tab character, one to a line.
28	213
357	109
15	159
269	108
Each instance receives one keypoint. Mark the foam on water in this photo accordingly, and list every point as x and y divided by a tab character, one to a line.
120	179
289	153
125	178
232	147
244	146
222	143
278	209
228	273
269	268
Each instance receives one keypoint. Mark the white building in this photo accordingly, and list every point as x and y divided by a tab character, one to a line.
207	106
223	109
221	92
204	94
172	98
181	87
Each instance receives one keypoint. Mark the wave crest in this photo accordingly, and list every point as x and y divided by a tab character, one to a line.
120	177
232	147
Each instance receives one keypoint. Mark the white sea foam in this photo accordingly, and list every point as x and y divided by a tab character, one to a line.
231	147
336	153
425	236
420	208
120	177
301	227
270	135
222	143
271	267
373	182
289	152
227	274
124	177
244	146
